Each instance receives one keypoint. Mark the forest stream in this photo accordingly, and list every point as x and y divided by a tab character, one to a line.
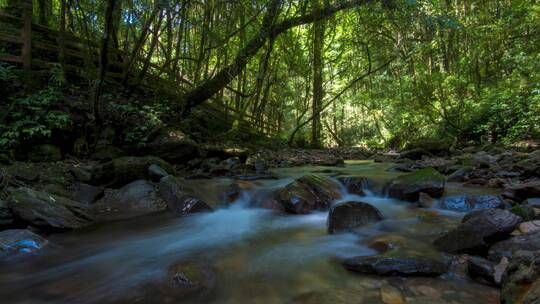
247	254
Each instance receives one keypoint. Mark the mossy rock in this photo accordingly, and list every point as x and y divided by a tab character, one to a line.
309	193
124	170
47	211
408	186
525	212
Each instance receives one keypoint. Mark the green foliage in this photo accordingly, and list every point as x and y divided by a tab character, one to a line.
138	120
33	117
7	72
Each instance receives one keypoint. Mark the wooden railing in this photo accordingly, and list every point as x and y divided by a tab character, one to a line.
80	53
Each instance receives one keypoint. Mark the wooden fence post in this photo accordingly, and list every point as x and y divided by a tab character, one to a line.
26	35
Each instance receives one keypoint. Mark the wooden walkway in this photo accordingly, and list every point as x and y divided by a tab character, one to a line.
40	50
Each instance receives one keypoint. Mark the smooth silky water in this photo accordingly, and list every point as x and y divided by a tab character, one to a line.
259	256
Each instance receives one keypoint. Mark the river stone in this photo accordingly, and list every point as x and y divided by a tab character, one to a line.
460	174
507	248
156	173
395	266
356	184
522	192
124	170
86	194
20	242
482	270
134	199
472	202
309	193
45	153
533	202
186	278
408	186
47	211
477	231
529	227
180	199
350	215
521	283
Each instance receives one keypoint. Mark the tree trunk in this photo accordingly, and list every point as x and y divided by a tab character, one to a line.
269	29
318	45
103	60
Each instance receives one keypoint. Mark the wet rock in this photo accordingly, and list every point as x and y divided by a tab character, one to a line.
156	173
86	194
526	212
356	184
6	216
477	231
188	278
45	153
123	170
17	243
309	193
425	201
394	266
408	186
522	192
508	248
48	211
521	283
533	202
482	270
460	174
472	202
414	154
391	295
529	227
134	199
350	215
180	199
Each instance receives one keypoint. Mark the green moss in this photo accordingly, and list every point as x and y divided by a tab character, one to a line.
420	176
525	212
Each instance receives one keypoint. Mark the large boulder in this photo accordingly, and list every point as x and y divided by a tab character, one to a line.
508	248
350	215
45	153
356	184
522	192
124	170
521	283
172	146
408	186
309	193
134	199
467	203
47	211
394	266
15	243
180	199
478	230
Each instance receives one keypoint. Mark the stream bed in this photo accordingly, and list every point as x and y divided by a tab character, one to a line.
257	256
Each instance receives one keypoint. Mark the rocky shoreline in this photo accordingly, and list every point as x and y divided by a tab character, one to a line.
498	239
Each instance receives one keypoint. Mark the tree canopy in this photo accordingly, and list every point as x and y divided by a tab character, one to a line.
323	72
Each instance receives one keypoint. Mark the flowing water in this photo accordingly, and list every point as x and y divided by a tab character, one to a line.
259	256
